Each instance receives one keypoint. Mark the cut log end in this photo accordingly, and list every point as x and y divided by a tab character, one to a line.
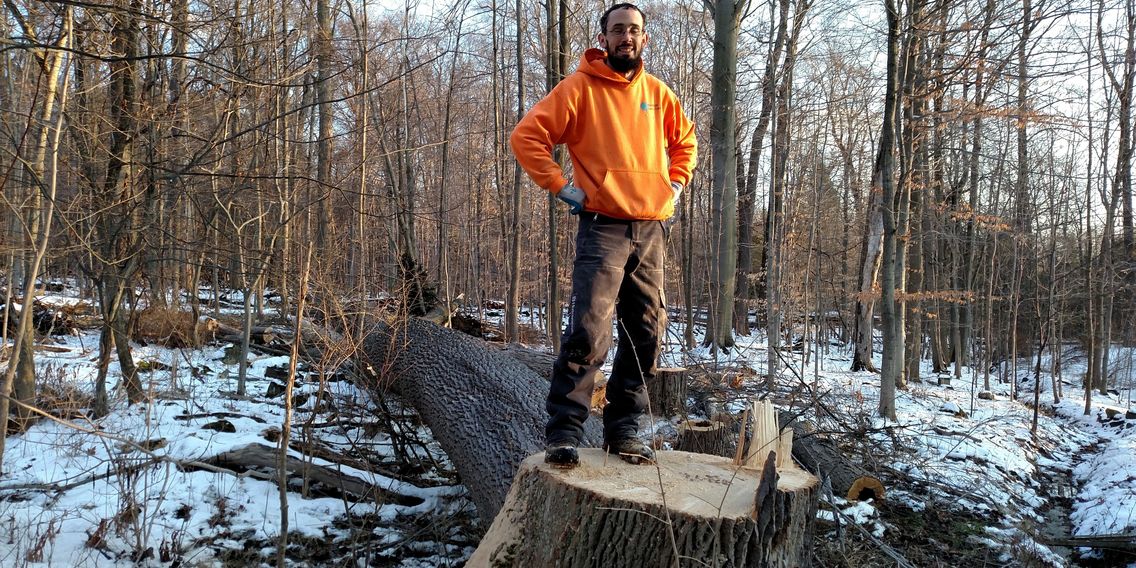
866	487
574	517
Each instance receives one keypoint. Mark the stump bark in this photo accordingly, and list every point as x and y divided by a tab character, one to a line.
705	437
667	392
692	510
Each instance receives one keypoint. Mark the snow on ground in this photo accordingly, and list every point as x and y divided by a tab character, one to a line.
960	453
158	508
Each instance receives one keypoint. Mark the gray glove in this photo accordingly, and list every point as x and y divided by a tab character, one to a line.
574	197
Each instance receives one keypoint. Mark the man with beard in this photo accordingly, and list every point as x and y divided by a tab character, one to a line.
633	151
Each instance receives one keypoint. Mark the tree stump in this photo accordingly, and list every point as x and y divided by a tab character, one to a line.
705	437
667	392
691	510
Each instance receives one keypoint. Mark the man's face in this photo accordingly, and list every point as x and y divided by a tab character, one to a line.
624	39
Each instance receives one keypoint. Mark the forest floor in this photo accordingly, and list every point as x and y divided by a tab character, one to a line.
968	483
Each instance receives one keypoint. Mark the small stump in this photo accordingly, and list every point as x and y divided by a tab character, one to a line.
609	513
705	437
667	392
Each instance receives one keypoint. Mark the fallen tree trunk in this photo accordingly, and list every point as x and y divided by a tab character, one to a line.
540	362
485	408
262	456
1122	542
821	456
691	510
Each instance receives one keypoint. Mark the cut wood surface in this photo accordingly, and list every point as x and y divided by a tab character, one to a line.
766	434
608	513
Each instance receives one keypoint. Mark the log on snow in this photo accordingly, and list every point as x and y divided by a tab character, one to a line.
1121	542
821	456
692	510
539	361
266	457
484	408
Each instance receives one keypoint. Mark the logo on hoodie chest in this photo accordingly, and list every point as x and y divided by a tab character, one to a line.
646	106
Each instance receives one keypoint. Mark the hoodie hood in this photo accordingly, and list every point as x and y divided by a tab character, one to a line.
594	63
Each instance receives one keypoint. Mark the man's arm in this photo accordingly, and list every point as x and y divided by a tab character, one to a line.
532	140
682	148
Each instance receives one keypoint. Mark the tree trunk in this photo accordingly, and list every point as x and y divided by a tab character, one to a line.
724	206
323	91
667	392
748	194
513	300
870	255
692	510
890	280
19	380
484	408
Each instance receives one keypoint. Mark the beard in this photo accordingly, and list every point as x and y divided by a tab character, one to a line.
622	63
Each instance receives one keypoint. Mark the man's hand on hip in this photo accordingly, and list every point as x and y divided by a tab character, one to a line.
574	197
676	187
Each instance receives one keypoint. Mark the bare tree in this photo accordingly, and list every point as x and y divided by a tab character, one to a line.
728	16
883	181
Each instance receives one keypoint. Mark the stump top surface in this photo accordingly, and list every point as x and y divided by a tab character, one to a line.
697	484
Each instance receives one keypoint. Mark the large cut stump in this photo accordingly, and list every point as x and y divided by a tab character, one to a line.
485	409
609	513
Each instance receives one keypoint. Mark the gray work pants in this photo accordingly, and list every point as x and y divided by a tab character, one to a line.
618	268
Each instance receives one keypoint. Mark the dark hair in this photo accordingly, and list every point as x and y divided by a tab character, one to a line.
620	6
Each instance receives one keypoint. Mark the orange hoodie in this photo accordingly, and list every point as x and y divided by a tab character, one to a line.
628	140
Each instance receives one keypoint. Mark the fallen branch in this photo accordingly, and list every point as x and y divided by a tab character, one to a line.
883	546
263	456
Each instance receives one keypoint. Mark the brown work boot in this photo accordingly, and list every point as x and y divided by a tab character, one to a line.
632	451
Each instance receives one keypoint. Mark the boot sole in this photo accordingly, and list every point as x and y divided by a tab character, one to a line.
637	459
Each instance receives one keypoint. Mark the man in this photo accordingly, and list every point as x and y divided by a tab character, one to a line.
633	150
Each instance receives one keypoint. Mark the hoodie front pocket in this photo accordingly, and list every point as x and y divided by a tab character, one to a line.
631	194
